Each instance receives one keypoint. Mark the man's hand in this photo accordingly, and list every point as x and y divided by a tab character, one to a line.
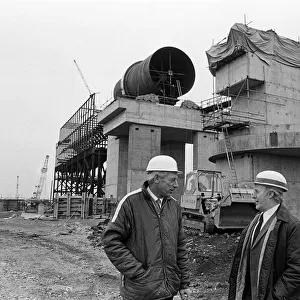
185	294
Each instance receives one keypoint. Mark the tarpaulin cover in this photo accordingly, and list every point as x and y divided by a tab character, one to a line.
267	45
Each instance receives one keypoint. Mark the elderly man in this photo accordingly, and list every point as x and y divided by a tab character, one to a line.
266	265
145	239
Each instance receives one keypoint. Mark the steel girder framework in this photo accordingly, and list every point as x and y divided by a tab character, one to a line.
80	154
84	173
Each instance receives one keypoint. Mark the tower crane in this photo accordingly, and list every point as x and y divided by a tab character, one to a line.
39	187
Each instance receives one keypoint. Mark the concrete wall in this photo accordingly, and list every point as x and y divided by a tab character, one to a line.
244	170
284	140
118	115
203	145
144	142
248	165
283	88
237	70
128	157
117	162
272	140
274	102
287	165
177	151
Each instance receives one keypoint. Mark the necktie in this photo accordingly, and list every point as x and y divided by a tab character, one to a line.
158	201
258	227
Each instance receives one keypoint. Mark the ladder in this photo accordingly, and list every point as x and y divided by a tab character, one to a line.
229	155
179	88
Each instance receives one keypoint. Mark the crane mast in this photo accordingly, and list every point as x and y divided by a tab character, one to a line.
85	83
39	188
17	189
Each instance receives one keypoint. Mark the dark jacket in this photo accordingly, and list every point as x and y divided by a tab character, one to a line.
279	277
147	248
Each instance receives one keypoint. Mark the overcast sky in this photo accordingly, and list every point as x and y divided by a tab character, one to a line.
41	87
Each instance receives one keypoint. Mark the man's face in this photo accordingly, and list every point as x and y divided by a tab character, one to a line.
263	201
167	184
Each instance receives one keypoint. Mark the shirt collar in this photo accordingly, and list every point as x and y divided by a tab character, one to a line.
268	213
152	195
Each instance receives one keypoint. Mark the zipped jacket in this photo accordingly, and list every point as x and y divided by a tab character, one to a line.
147	247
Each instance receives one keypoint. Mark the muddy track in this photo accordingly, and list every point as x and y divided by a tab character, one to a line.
53	265
51	244
42	260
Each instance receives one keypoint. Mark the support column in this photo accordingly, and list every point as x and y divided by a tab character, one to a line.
202	150
177	151
116	174
144	142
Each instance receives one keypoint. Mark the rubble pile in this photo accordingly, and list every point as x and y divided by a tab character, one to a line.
96	234
210	258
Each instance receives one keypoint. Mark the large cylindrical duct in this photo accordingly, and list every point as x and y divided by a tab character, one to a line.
168	72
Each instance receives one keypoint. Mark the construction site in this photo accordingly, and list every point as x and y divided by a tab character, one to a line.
250	124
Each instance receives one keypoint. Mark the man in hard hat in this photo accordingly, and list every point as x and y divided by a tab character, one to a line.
145	239
266	265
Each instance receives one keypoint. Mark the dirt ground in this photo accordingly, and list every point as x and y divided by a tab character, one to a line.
64	259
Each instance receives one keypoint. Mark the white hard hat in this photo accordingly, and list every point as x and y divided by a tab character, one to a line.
271	178
163	163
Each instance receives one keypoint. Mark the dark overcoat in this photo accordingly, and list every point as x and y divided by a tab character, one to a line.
279	276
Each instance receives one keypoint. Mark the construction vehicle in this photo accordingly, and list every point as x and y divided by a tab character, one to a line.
205	205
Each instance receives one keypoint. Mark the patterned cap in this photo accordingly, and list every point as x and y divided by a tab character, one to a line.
271	178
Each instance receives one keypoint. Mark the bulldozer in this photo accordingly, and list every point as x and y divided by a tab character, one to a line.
207	207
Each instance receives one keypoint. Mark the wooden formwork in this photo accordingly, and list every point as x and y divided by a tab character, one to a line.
80	207
12	204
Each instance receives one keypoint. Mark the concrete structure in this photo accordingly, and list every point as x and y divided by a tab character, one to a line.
255	116
138	130
263	126
263	122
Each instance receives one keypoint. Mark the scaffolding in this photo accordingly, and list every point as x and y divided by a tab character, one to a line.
81	153
219	112
218	116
